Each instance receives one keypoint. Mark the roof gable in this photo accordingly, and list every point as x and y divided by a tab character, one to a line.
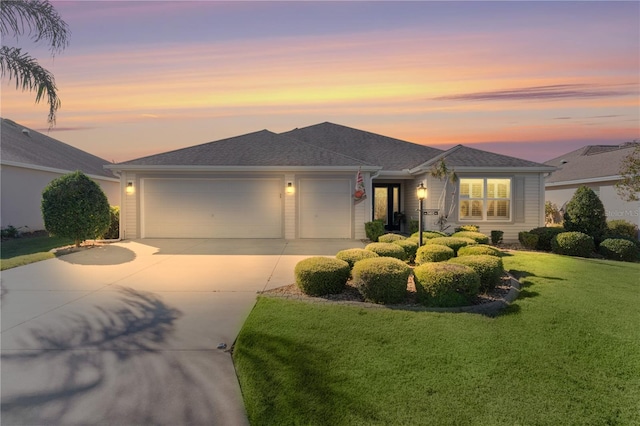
464	156
589	162
30	147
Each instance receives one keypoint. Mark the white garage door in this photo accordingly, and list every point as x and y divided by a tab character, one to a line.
211	208
325	208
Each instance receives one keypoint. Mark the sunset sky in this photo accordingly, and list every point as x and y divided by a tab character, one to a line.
528	79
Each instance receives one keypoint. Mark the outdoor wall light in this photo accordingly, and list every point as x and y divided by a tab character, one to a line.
290	188
421	192
130	188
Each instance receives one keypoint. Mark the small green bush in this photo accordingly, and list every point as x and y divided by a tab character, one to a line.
381	280
496	237
374	229
351	256
319	275
452	242
479	249
113	233
545	235
528	240
413	226
476	236
433	253
619	228
573	244
619	249
489	268
428	235
467	228
445	284
410	247
585	213
387	250
389	238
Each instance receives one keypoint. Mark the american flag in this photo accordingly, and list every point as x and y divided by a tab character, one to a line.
359	193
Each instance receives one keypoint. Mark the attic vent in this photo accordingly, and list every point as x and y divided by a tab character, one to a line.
563	162
26	132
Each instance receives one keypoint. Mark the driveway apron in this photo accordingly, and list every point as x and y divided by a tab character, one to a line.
134	333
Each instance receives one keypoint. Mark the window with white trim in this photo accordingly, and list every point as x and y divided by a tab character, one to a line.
485	199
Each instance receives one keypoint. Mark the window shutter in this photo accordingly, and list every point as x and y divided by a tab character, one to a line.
518	199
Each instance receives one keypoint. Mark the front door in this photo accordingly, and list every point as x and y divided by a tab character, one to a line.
386	205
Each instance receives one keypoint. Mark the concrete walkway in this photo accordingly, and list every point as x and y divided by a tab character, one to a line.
128	333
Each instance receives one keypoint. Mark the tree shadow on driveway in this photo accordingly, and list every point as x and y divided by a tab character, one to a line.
97	255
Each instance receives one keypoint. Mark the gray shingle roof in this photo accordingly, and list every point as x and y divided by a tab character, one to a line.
591	161
389	153
36	149
464	156
263	148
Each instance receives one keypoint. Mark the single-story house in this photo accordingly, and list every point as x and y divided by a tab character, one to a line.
598	167
301	184
29	160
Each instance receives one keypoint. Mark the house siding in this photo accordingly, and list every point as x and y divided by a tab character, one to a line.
290	208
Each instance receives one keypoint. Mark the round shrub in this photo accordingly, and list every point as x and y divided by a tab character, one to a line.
389	238
351	256
478	237
433	253
585	213
387	250
529	240
573	244
319	275
410	247
489	268
381	279
619	249
445	284
545	235
479	249
451	242
622	228
428	234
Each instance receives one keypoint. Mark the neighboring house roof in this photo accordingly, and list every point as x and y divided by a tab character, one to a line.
21	146
263	148
326	145
589	163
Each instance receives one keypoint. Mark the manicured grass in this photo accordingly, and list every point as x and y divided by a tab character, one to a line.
22	251
566	352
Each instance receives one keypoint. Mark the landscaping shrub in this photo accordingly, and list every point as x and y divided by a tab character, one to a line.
413	226
351	256
619	249
621	228
433	253
529	240
445	284
113	232
496	237
387	250
489	268
545	235
410	247
573	244
467	228
452	242
74	206
389	238
585	213
428	235
319	275
476	236
381	280
374	229
479	249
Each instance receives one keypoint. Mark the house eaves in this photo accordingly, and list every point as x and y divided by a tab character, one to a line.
583	181
245	169
54	170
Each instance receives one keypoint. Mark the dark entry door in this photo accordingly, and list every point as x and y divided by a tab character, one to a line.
386	205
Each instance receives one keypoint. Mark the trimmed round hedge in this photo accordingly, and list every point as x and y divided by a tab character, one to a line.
619	249
410	247
387	250
320	275
451	242
489	268
445	284
389	238
573	244
478	237
428	234
351	256
382	279
433	253
479	249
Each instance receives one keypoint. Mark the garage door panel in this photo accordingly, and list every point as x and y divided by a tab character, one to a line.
325	208
212	208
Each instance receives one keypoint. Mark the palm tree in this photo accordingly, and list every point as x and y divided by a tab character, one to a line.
41	21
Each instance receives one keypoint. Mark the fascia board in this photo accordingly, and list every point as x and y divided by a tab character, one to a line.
583	181
54	170
152	168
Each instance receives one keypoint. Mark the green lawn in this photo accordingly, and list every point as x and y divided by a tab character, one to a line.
22	251
566	352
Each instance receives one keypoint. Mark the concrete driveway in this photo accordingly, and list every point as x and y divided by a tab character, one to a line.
128	333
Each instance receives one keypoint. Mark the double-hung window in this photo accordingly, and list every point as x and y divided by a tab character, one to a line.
485	199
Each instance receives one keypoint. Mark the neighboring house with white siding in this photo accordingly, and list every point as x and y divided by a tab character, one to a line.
598	167
29	160
301	184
